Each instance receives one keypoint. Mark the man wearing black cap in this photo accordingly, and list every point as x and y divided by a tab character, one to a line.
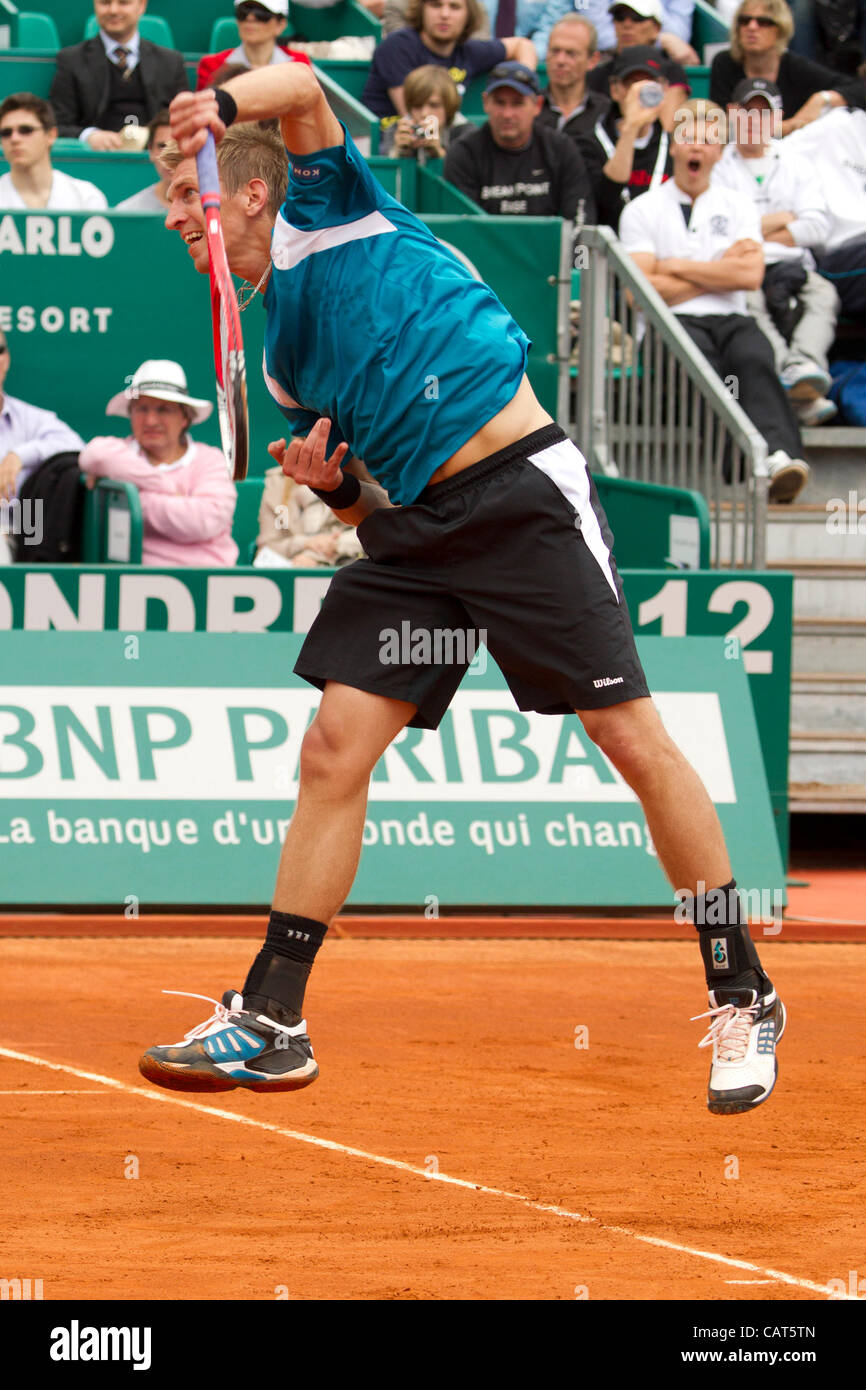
513	167
631	142
795	307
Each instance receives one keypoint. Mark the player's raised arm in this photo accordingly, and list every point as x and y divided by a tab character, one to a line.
288	91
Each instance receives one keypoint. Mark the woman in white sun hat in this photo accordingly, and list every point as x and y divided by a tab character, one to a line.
187	497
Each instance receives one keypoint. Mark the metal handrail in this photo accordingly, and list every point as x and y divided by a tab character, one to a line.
665	417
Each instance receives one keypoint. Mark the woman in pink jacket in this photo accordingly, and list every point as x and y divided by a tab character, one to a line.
187	497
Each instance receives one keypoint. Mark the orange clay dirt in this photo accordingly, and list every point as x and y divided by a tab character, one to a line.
456	1057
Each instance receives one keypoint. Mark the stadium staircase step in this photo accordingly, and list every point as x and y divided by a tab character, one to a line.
825	549
836	455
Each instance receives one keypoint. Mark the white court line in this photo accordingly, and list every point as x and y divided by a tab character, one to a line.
774	1276
89	1092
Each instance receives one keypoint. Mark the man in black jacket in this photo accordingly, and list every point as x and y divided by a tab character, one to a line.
570	106
512	166
115	79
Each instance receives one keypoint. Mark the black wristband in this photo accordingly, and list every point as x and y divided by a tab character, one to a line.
227	107
343	496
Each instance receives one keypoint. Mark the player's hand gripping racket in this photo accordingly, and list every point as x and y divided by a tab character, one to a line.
228	346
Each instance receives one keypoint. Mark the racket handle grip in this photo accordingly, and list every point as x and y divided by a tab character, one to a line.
208	173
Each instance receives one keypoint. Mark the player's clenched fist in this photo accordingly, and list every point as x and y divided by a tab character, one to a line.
193	114
305	459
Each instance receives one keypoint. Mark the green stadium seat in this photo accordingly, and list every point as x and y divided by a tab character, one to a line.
224	34
151	26
113	527
36	31
245	527
643	518
346	20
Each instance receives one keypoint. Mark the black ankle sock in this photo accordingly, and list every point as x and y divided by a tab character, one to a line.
278	975
730	959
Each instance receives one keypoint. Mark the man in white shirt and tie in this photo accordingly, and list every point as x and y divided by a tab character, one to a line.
115	79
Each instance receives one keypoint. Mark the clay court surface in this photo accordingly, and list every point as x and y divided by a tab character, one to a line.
593	1169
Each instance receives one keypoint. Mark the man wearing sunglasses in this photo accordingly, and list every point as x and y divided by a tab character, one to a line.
667	26
114	80
260	24
28	129
760	33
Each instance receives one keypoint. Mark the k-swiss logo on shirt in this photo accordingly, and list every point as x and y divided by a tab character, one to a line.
308	175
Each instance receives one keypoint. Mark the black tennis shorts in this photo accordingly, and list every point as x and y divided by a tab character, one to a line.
514	553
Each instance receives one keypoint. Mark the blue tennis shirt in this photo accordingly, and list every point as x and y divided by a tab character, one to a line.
374	324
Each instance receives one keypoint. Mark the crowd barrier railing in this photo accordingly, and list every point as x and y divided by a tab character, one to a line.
648	405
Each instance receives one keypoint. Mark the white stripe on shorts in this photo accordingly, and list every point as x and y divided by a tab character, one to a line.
565	466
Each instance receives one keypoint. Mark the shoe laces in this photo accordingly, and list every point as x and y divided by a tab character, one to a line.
729	1032
221	1013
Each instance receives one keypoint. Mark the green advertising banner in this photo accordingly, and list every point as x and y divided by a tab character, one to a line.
752	610
157	768
86	299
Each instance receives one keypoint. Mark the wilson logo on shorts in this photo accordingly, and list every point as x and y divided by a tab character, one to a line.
720	952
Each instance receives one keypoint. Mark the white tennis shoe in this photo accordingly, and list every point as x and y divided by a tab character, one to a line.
744	1032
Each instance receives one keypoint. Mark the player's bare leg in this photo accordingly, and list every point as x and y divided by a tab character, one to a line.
748	1018
342	746
257	1038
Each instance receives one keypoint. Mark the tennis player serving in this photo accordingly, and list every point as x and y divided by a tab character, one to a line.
403	380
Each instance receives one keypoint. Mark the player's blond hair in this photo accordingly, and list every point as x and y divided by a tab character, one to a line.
247	151
777	10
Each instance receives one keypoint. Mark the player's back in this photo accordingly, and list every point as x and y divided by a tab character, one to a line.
373	323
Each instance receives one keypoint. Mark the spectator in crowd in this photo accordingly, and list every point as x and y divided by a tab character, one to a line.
28	434
260	24
760	33
187	496
154	198
836	148
437	31
433	103
297	526
28	129
795	307
832	32
570	106
700	247
646	23
511	166
632	146
115	79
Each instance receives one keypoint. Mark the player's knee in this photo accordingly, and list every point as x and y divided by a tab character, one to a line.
632	737
329	756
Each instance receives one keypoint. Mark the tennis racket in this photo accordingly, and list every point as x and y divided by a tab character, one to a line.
228	346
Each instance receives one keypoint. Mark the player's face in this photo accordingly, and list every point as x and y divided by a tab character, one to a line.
511	116
568	54
23	141
443	20
186	214
119	18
